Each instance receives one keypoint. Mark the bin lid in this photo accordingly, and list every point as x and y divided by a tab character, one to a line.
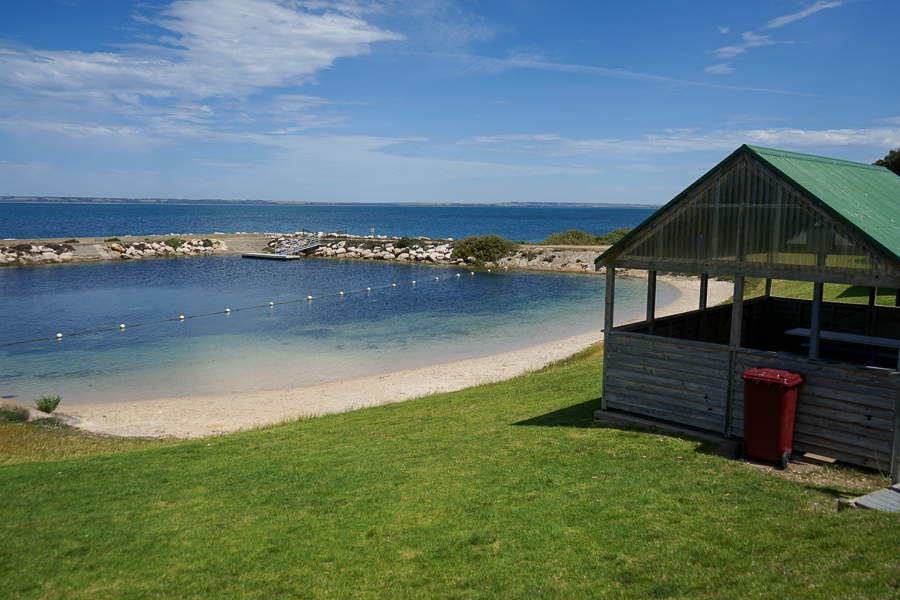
785	378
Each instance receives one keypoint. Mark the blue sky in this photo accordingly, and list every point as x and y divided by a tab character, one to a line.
432	100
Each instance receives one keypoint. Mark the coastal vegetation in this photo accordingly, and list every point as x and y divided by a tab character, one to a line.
47	404
484	249
502	490
576	237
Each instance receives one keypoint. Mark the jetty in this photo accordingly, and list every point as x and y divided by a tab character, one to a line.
289	248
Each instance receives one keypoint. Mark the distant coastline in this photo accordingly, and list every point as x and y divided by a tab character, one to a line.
220	202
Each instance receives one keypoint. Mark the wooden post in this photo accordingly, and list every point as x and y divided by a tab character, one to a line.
704	294
608	324
870	311
768	288
651	300
737	312
815	325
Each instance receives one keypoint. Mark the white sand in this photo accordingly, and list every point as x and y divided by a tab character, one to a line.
198	416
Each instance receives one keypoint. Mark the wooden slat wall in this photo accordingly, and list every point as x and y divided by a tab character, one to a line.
681	381
843	412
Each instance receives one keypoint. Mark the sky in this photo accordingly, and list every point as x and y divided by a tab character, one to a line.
432	100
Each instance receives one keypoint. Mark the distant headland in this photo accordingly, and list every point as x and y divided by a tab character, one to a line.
219	202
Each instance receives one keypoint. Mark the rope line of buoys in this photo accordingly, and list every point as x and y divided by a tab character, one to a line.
227	311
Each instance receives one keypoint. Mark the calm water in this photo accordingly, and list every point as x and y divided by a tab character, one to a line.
23	221
261	347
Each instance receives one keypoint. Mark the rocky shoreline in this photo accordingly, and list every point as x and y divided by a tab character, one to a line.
414	250
30	253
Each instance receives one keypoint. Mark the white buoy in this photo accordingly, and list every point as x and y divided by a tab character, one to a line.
437	278
122	326
271	304
471	272
458	275
414	280
368	289
505	267
309	297
489	270
181	317
393	285
227	310
342	293
59	336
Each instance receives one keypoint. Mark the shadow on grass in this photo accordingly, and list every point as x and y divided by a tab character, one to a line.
578	415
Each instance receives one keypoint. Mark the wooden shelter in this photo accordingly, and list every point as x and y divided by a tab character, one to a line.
773	215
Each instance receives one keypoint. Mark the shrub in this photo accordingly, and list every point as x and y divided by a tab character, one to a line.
608	239
487	248
207	243
571	237
112	239
404	242
47	404
174	242
71	241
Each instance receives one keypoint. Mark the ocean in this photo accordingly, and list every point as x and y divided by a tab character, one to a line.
394	325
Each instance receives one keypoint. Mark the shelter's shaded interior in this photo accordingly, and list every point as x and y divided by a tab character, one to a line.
766	320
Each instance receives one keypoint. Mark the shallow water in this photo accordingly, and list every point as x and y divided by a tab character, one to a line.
255	346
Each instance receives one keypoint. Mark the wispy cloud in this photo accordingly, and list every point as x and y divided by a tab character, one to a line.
787	19
752	39
211	51
690	140
720	69
488	65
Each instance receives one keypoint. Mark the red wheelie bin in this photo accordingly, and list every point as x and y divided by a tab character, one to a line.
770	404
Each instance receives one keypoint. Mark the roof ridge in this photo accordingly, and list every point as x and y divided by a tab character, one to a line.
811	157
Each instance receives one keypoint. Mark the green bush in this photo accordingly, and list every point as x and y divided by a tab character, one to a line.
207	243
112	239
174	242
71	241
571	237
487	248
405	242
47	404
608	239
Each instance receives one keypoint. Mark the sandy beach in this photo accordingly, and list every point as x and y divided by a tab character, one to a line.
199	416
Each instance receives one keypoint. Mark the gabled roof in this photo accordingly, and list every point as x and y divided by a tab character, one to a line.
831	217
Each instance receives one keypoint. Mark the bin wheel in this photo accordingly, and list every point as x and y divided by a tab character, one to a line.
784	461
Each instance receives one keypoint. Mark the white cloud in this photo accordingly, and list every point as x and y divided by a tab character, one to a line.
720	69
214	49
724	29
787	19
894	120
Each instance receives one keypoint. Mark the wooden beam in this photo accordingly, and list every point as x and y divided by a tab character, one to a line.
737	313
651	300
768	287
815	325
608	324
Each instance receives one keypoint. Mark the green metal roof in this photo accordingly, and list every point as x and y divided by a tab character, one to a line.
864	198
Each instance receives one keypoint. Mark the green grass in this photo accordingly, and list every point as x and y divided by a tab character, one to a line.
501	491
831	292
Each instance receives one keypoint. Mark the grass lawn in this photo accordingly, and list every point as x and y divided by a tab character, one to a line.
501	491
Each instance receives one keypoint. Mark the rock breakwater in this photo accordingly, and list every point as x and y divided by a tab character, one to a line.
423	250
34	253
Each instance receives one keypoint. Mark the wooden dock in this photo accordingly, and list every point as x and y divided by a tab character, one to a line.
270	256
